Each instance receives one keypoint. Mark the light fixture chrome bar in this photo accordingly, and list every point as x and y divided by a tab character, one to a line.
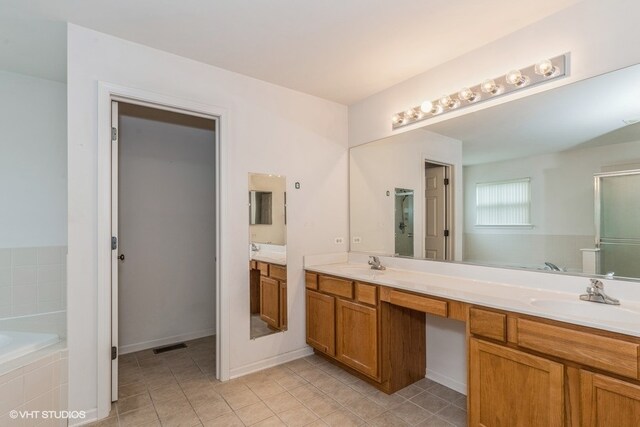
513	81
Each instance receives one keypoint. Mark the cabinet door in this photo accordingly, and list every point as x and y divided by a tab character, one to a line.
270	301
511	388
357	336
283	305
321	322
606	401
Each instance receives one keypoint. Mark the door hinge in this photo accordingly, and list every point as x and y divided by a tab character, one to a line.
114	353
114	134
446	181
114	243
446	233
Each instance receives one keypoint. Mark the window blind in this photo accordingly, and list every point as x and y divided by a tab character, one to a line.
504	203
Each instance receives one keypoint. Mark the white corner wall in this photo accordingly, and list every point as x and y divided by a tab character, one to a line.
270	129
33	165
600	35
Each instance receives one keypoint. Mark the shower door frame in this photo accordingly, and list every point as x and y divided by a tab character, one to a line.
598	195
107	93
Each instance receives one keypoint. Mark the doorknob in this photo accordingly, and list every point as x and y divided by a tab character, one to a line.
121	257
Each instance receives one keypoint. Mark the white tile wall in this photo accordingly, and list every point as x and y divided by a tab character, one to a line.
38	386
32	281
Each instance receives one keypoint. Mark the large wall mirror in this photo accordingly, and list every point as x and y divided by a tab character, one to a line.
549	182
267	254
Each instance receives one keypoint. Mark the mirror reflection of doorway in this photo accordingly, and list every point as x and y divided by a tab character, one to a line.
437	211
404	222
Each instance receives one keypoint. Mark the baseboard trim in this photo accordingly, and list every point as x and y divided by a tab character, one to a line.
131	348
447	381
90	416
270	362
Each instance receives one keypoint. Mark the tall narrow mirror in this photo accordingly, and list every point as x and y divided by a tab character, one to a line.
267	254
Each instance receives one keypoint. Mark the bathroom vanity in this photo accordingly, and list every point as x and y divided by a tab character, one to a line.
528	364
268	287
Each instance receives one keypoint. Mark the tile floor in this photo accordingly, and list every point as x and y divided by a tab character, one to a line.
259	327
178	388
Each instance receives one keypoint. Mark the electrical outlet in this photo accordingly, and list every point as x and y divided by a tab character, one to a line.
339	240
357	239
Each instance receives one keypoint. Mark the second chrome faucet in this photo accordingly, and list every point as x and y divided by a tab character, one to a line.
375	263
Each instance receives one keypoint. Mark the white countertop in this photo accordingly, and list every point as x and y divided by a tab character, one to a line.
556	305
270	257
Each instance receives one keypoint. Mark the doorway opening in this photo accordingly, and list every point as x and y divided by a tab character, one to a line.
438	211
164	206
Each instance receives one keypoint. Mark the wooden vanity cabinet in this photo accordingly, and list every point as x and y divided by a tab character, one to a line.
268	288
607	401
512	388
357	336
321	322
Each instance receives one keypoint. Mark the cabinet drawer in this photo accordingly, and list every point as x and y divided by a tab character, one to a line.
278	272
488	324
609	354
311	280
253	265
414	302
367	294
339	287
263	267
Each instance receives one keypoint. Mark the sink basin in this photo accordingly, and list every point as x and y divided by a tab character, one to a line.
361	269
589	310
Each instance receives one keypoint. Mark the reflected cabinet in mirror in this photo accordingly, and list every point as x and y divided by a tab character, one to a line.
548	182
267	254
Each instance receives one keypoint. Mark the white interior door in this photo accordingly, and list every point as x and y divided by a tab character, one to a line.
435	239
114	251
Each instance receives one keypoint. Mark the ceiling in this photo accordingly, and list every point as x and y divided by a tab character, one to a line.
588	113
341	50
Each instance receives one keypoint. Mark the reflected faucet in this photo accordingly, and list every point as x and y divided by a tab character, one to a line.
254	247
595	293
375	264
552	266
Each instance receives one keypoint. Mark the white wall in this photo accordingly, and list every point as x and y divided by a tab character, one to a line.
166	230
398	162
592	30
270	129
33	164
561	205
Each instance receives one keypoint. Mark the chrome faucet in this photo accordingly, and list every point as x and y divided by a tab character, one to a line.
595	293
375	264
552	266
254	247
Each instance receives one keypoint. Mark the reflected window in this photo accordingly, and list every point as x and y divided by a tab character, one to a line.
504	203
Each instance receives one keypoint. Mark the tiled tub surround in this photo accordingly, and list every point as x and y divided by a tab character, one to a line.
511	290
37	382
32	280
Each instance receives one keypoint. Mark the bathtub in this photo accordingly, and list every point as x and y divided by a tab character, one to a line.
17	344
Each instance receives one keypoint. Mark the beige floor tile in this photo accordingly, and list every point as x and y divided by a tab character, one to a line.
297	417
344	394
410	412
409	391
160	380
317	423
270	422
297	365
186	418
170	392
241	399
343	418
232	386
387	419
131	389
328	385
461	402
424	383
454	415
138	417
266	389
323	405
213	410
314	359
445	393
134	402
291	381
430	402
282	402
365	408
386	400
168	408
227	420
306	392
363	387
434	421
255	413
107	422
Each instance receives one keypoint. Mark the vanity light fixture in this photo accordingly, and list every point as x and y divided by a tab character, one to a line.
517	79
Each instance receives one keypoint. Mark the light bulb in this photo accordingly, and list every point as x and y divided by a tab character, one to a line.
489	86
468	95
516	78
545	68
447	102
426	107
396	118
